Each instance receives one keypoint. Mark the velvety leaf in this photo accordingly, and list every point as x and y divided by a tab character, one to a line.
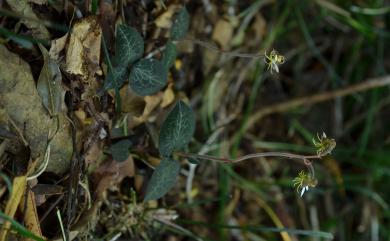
169	55
163	179
119	75
120	150
49	84
177	129
180	24
147	77
129	45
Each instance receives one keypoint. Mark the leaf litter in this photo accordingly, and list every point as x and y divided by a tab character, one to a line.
99	197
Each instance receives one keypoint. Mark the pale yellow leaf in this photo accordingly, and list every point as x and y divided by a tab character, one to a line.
18	188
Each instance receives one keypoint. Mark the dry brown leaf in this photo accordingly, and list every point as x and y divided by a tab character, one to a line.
23	8
94	154
152	102
57	46
165	19
29	115
18	188
131	103
169	96
110	173
31	220
222	34
83	53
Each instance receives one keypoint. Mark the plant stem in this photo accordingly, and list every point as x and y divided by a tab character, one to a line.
306	158
214	47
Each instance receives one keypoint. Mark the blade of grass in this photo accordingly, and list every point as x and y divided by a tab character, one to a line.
253	228
20	229
111	69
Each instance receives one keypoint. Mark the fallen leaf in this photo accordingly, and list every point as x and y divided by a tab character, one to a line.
31	220
152	102
18	188
83	53
131	103
23	105
164	20
49	84
111	173
57	46
94	154
30	19
222	34
168	97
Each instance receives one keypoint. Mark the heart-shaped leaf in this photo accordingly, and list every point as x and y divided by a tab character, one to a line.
177	129
180	24
163	179
129	45
49	84
120	150
169	55
147	76
117	77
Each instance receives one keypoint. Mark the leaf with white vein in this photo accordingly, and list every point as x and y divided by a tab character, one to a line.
129	45
177	129
147	77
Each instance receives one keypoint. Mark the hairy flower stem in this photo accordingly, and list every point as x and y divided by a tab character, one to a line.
214	47
306	159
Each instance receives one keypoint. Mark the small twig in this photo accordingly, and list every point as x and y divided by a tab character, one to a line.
254	155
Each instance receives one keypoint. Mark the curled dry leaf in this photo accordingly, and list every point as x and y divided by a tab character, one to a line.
83	53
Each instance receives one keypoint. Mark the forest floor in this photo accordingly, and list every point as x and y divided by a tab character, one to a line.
79	145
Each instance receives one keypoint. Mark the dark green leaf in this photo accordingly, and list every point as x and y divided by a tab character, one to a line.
163	179
119	75
180	24
177	129
129	45
147	76
169	55
120	150
49	84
